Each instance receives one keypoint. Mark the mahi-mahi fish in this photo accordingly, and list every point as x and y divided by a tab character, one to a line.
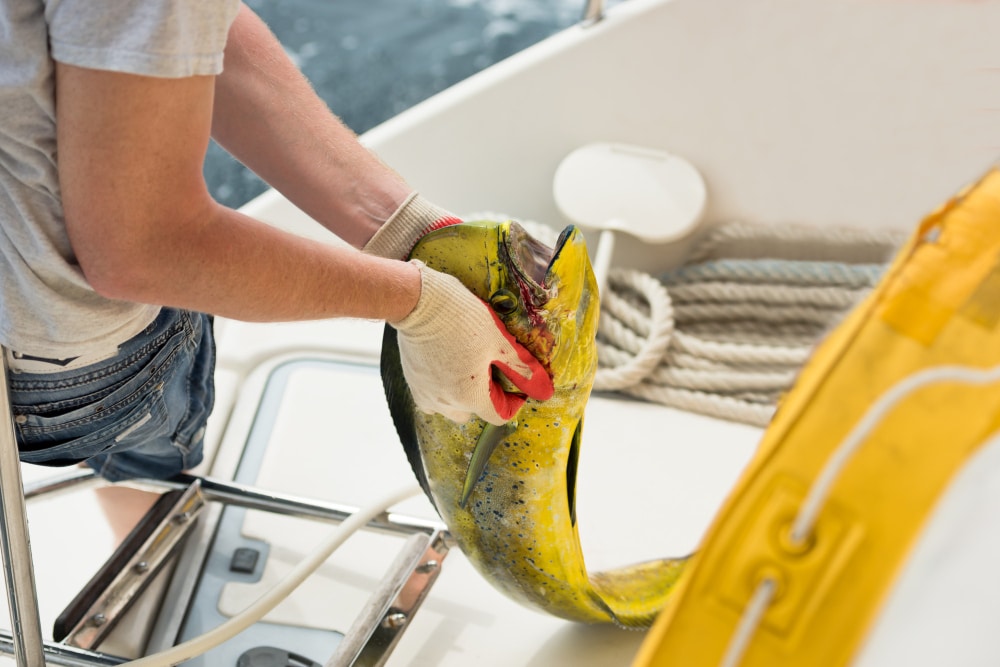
507	493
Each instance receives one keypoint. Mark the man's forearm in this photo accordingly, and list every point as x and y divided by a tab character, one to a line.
233	266
268	116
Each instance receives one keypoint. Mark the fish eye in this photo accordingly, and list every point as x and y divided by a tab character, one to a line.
503	302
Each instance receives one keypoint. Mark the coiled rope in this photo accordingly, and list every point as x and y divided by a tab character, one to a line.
725	334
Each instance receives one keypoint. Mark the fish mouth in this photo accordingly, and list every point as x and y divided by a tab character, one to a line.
533	261
528	257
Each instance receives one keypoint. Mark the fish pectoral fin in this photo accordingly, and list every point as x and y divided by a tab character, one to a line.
487	442
505	382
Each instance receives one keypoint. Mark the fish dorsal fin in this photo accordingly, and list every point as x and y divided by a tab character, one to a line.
401	405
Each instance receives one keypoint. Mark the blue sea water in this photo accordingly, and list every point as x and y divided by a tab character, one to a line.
371	59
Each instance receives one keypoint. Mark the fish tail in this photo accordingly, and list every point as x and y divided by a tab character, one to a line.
636	594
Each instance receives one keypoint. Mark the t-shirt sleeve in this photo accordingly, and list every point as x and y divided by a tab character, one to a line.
166	38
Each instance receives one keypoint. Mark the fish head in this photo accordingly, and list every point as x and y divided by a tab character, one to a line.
545	296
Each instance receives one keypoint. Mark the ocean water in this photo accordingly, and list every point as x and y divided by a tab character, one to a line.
371	59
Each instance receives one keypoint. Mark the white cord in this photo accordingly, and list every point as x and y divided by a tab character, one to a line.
808	513
738	332
820	489
752	616
796	241
270	599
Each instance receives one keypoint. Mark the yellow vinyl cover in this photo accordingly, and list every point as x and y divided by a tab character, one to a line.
933	316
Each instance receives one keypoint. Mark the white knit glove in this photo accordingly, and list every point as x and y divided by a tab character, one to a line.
415	217
448	346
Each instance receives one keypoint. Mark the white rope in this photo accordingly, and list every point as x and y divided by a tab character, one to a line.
757	312
721	381
800	334
797	242
827	296
740	352
789	272
743	321
657	330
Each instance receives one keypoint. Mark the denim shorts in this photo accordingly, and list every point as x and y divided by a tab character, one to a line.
139	413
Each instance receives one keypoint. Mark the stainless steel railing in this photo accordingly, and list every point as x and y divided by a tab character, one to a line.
593	12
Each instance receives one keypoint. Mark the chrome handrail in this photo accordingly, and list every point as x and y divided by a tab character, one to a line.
593	12
15	546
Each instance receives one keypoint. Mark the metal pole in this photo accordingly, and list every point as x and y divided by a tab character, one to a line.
66	656
241	495
593	12
18	570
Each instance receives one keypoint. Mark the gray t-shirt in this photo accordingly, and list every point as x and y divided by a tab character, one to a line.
46	306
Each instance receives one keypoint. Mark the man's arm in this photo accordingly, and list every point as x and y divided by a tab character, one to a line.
268	116
144	227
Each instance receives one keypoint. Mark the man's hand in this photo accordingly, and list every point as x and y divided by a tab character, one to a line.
415	217
448	348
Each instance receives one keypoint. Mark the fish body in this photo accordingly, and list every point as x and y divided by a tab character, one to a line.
507	494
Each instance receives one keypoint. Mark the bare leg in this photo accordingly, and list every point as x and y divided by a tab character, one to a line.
123	507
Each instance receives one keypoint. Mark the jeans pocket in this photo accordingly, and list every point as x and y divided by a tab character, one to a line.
78	440
119	404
